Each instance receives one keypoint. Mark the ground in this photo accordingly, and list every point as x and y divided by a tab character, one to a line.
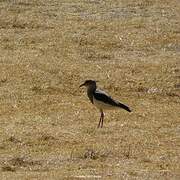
48	127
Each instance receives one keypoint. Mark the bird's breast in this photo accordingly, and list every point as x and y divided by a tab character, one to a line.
90	96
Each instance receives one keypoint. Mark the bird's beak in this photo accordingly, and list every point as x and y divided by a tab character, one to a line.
82	85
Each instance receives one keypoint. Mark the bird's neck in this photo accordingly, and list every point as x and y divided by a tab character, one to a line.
90	91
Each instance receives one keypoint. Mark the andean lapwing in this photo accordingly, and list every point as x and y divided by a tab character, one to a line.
101	99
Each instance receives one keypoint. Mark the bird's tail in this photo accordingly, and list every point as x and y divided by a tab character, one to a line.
123	106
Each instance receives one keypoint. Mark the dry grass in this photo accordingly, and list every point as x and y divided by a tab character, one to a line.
48	127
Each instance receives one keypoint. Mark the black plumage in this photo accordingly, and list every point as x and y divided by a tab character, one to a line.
102	96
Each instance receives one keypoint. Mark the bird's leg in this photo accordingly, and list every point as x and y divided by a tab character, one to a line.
99	121
102	118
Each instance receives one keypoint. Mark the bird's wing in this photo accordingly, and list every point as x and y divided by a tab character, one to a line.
104	97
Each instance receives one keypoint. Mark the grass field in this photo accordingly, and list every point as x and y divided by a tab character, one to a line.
48	127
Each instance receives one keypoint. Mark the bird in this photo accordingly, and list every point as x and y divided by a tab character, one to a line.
101	99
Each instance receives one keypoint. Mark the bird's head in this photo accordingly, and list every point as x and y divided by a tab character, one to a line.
89	83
